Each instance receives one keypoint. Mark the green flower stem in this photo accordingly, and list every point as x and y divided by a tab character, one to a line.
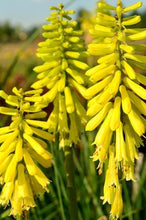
25	215
69	166
57	178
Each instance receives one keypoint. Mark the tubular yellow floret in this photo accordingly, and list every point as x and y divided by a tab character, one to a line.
97	119
126	104
136	122
129	70
132	7
139	90
115	118
93	90
132	21
69	100
115	83
139	104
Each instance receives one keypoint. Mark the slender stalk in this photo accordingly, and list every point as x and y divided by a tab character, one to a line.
70	176
57	178
25	215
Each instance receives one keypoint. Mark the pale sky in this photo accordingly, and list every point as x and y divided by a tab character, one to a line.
33	12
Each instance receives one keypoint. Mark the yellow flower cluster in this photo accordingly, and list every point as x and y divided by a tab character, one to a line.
63	53
116	98
22	149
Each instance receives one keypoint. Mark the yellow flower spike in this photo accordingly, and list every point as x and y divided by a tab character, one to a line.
117	205
16	140
124	87
63	53
6	193
69	100
126	103
97	119
136	122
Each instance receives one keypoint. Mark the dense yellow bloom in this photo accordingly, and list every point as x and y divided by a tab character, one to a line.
21	149
63	53
116	97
